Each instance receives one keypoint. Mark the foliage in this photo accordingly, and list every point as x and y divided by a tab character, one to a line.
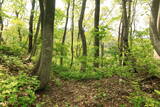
12	34
18	90
14	63
140	101
66	73
143	56
11	58
7	50
59	17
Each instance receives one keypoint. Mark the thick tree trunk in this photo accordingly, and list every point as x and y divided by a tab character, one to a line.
154	25
30	44
47	8
82	34
96	27
72	34
64	34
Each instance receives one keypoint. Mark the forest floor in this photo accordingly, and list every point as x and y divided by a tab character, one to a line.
113	91
92	93
110	92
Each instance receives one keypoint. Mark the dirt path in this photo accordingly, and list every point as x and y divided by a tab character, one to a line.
111	92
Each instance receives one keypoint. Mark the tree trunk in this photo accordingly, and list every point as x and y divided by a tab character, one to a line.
30	44
96	27
47	8
18	28
72	34
82	34
19	33
35	39
154	25
1	23
102	54
124	32
64	34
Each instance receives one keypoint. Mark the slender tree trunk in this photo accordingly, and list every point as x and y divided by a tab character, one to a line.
35	39
1	22
96	27
64	34
47	8
72	34
155	25
36	67
82	34
18	28
19	33
102	54
78	47
30	44
124	32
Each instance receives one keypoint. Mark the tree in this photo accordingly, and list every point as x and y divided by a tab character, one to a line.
96	27
30	44
1	22
65	32
155	25
82	34
43	67
18	7
123	38
72	33
35	38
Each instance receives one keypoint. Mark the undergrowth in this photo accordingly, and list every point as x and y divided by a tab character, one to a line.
15	90
72	74
18	90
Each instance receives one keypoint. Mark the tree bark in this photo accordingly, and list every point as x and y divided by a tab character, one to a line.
47	8
102	54
124	32
64	34
30	44
1	22
18	28
35	39
82	34
96	27
154	25
72	34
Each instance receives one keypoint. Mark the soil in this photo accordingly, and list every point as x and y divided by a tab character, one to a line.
111	92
